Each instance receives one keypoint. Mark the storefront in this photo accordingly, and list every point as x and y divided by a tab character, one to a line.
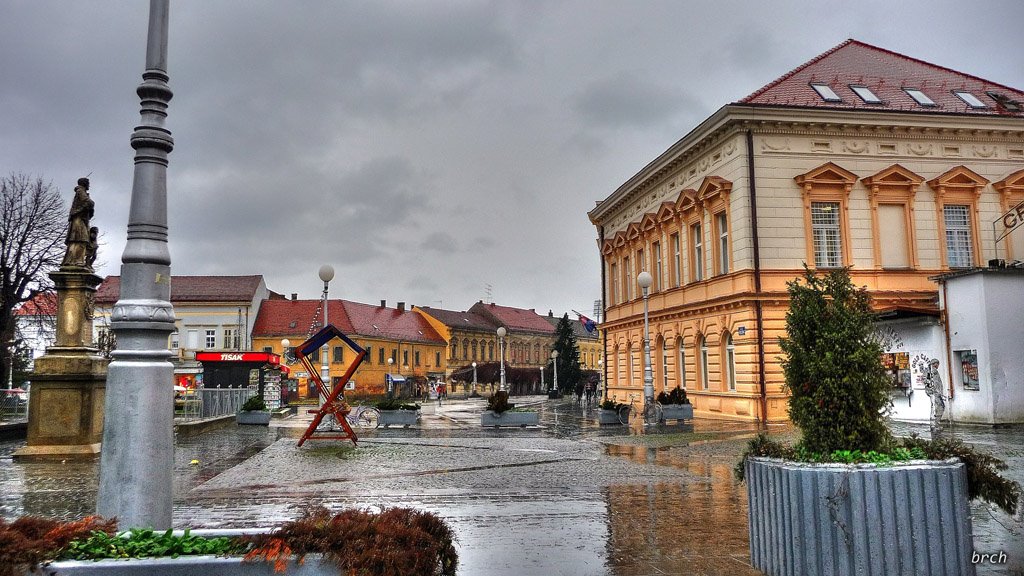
261	371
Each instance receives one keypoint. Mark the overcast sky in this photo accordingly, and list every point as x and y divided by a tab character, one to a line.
432	152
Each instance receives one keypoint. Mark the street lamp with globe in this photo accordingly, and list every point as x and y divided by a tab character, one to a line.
326	274
554	363
285	343
474	379
391	362
501	353
644	280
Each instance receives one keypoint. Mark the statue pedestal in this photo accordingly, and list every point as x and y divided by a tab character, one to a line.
65	414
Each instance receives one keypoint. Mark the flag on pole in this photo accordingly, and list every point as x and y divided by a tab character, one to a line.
589	324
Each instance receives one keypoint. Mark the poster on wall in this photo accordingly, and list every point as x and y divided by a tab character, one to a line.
969	369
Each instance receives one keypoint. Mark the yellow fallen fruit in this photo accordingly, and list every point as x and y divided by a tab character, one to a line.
194	462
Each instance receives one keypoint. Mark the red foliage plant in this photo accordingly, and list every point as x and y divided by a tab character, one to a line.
394	542
29	541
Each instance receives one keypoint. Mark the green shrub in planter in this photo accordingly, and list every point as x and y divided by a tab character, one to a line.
498	403
394	403
675	396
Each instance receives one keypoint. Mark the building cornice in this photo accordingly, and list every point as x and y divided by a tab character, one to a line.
767	120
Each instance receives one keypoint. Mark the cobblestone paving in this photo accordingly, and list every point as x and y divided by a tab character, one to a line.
566	498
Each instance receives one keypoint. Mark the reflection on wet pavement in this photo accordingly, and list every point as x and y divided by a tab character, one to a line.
567	498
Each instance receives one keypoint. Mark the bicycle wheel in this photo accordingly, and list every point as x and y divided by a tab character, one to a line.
624	415
369	418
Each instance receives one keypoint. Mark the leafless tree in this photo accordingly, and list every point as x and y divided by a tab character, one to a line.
33	224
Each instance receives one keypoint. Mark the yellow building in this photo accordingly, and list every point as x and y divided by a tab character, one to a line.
862	157
398	342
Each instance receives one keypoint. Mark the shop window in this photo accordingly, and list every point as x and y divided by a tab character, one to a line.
897	367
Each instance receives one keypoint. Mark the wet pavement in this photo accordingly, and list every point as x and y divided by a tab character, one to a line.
566	498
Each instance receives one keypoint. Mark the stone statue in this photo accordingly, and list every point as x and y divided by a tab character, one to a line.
933	388
81	244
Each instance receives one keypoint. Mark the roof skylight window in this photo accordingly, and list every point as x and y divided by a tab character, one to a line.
970	99
865	94
826	92
919	97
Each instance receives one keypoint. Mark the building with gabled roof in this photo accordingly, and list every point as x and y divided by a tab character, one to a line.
400	343
470	336
212	314
861	157
530	337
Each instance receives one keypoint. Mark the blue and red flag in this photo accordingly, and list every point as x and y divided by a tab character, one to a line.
589	324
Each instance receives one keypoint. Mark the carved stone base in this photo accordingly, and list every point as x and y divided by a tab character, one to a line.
65	418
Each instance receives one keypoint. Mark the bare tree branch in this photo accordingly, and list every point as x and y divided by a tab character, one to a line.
33	224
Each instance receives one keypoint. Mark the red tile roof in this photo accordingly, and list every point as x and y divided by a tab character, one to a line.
291	317
42	304
192	289
886	73
513	318
294	317
460	320
390	323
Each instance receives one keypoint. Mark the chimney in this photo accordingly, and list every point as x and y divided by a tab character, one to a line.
383	303
551	314
401	306
295	295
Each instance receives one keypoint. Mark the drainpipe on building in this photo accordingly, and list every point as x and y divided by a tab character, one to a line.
604	314
758	311
944	317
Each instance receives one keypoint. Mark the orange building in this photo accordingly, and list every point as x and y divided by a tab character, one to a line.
862	158
399	342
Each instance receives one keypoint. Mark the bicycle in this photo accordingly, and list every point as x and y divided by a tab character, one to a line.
363	417
652	411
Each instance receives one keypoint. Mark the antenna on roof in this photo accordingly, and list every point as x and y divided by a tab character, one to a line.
489	293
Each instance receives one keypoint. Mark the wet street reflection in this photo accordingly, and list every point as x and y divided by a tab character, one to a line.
568	498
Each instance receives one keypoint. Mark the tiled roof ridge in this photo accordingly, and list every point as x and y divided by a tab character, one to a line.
850	42
796	70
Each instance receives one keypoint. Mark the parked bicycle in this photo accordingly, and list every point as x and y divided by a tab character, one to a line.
652	412
363	417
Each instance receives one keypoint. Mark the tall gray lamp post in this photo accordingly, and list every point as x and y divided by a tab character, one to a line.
137	459
326	274
644	279
391	362
554	363
474	377
600	378
501	353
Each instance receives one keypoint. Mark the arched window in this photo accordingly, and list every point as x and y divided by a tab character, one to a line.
455	349
629	364
702	374
465	348
681	367
490	351
730	361
666	353
474	350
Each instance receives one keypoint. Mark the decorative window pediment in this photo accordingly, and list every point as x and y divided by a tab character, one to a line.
607	247
687	202
649	222
896	176
827	175
713	187
1014	183
619	239
958	179
666	212
633	231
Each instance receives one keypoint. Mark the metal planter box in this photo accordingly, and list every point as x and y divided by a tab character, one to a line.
257	417
404	418
605	417
863	519
509	418
186	566
677	412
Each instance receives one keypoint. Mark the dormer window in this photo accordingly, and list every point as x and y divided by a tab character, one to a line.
970	99
865	94
919	97
1005	101
826	92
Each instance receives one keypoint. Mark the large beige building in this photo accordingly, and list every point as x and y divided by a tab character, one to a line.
862	157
